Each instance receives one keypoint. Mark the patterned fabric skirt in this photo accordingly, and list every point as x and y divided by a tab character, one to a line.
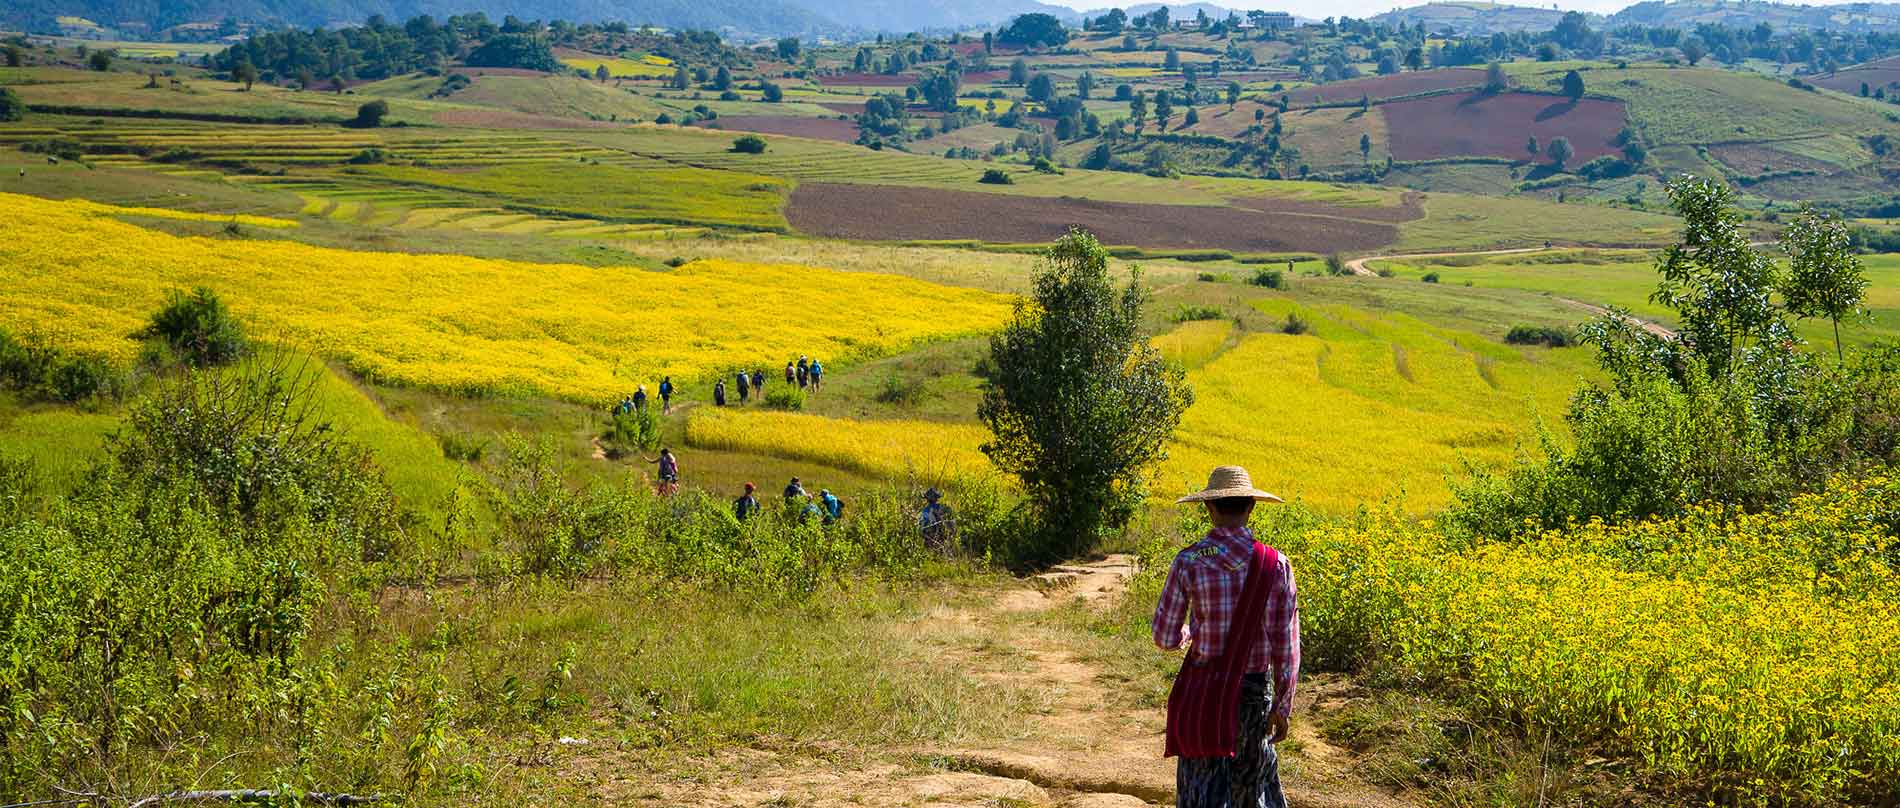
1249	779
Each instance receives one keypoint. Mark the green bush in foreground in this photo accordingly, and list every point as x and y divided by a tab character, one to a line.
199	328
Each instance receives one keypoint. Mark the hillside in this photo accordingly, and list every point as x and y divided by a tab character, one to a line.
1472	17
1688	14
758	17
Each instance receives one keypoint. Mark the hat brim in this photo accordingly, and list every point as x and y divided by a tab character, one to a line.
1254	494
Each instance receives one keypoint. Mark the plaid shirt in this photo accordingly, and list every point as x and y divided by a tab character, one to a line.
1202	594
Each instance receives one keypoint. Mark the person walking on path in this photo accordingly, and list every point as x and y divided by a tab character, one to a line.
1234	600
745	387
833	506
666	395
794	491
804	372
758	382
719	393
935	521
791	374
746	505
669	469
817	374
640	399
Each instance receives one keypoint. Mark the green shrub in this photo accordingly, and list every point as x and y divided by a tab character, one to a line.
902	392
785	397
371	114
39	371
199	328
749	144
1269	278
1430	277
1187	313
638	430
369	156
1335	264
1295	324
996	176
1551	336
1211	277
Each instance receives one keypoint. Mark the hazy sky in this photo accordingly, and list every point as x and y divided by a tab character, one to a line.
1365	8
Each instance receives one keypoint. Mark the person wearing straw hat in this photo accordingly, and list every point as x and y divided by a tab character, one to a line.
1231	601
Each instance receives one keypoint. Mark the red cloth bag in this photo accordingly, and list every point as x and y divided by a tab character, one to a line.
1204	705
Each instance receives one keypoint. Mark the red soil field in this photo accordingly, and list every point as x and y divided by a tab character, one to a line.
867	80
1474	125
1876	75
817	128
1382	87
986	77
892	213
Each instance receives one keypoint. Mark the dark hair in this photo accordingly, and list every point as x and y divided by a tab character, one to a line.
1233	506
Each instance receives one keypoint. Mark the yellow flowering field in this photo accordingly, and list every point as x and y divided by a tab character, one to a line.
1194	343
460	323
102	209
1751	656
893	449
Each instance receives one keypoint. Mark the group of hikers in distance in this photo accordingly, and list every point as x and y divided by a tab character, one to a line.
935	522
807	373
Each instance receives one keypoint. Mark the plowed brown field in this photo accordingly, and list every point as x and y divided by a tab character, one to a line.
892	213
1379	88
1470	125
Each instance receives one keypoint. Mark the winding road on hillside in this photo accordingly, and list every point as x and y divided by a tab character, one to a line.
1358	266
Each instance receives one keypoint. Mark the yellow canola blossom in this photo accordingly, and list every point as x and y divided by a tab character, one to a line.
461	323
890	449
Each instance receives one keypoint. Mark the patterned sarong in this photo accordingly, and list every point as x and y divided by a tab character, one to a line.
1249	779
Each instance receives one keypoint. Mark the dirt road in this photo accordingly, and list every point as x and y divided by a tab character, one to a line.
1090	742
1357	266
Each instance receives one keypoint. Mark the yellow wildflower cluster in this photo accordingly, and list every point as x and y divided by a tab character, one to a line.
461	323
1753	655
892	449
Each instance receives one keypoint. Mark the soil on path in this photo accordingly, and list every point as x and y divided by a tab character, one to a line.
1089	745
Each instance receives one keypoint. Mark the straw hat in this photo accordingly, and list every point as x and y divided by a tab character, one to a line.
1227	482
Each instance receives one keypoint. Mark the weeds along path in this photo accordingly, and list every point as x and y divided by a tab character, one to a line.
1088	740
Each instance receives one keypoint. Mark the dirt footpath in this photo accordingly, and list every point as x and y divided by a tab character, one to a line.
1087	746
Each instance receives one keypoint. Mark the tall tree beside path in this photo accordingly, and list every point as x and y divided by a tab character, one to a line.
1573	86
1079	405
1824	275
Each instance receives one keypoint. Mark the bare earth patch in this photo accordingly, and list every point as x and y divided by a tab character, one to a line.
1473	125
892	213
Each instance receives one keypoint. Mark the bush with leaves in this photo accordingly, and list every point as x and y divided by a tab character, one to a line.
199	328
1080	407
749	144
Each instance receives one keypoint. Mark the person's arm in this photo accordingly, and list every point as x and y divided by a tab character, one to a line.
1170	621
1283	639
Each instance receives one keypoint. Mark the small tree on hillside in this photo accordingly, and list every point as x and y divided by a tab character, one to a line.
11	107
1365	147
244	74
722	80
15	56
749	144
1019	72
1824	276
1721	288
1560	151
1494	79
1533	148
1041	89
370	115
100	61
1693	50
1078	404
601	75
1573	86
198	327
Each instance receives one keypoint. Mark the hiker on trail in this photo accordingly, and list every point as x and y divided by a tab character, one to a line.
791	375
758	381
666	395
719	393
794	491
1231	600
804	372
669	471
936	521
746	505
817	374
745	387
833	506
810	511
640	399
625	406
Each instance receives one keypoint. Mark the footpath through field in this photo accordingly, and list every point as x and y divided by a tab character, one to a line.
1088	743
1357	266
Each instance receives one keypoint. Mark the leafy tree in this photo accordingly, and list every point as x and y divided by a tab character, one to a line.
989	42
524	51
788	48
1693	50
1084	85
1532	148
1079	405
1192	117
1573	86
601	75
100	61
1365	147
1129	43
199	328
1171	61
771	93
1415	59
1138	109
1494	79
1824	275
1041	88
1233	93
1034	30
749	144
244	74
939	90
1720	287
1560	151
681	79
11	107
370	115
1019	72
722	80
15	56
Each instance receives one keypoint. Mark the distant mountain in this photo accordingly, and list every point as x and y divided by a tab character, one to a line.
1473	17
757	17
1687	14
903	16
